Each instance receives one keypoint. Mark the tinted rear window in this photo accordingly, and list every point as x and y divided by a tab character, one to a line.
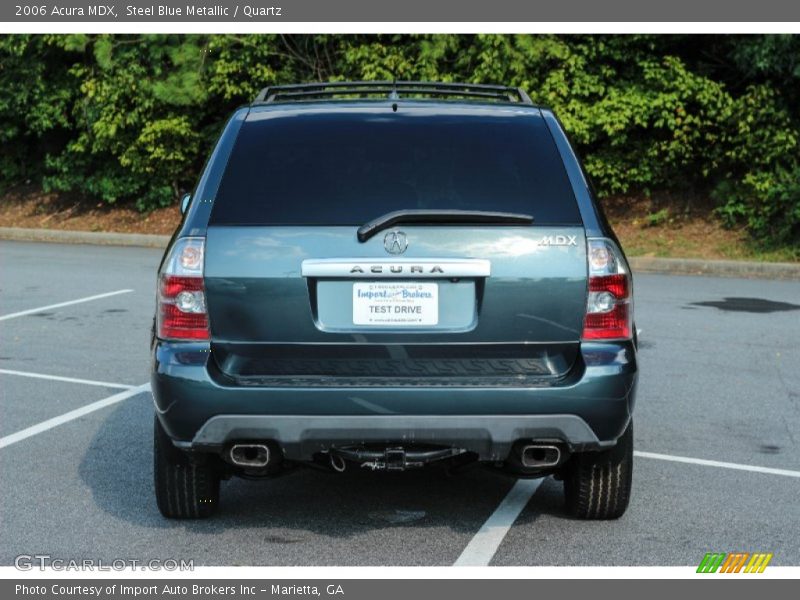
348	167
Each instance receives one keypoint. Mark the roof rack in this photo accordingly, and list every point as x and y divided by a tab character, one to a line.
391	90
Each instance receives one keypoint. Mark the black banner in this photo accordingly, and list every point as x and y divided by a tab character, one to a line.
477	11
395	589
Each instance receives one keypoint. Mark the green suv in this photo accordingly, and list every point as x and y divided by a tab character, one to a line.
390	275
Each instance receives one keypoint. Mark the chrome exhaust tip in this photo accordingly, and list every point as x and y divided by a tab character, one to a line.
249	455
537	456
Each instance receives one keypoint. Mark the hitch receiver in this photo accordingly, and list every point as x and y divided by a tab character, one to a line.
395	459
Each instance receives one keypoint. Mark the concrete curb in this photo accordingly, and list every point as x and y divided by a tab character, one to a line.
84	237
717	268
639	264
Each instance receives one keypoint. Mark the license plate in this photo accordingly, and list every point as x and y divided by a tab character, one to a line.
391	304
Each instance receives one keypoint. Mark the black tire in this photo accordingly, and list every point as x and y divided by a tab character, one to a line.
184	489
597	485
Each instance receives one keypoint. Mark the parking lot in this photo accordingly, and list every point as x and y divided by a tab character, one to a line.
717	429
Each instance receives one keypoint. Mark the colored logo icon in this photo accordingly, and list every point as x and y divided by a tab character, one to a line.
734	562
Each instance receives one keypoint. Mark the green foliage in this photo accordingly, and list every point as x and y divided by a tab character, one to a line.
36	93
130	118
760	186
660	217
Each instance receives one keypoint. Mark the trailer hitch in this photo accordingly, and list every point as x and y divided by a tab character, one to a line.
393	458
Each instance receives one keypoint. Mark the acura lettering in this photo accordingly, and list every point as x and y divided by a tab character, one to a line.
397	269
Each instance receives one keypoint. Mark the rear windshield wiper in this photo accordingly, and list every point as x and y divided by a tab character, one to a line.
367	230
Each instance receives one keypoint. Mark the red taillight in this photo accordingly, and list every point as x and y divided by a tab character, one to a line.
609	313
616	284
182	313
172	285
602	326
177	325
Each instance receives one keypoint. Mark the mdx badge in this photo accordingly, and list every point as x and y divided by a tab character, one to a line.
395	242
559	240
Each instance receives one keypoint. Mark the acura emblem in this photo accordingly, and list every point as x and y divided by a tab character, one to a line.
395	242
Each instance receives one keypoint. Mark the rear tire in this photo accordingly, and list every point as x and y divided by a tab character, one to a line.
597	485
184	489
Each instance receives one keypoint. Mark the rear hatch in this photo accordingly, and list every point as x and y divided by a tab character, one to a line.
295	295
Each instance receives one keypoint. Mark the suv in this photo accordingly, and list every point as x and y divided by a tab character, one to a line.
388	275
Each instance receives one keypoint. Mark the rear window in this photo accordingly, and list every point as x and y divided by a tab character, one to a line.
346	168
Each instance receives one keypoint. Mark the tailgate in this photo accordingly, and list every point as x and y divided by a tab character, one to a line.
474	302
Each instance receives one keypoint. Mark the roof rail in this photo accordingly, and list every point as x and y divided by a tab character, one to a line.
391	90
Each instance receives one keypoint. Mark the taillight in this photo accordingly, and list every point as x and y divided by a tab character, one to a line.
181	311
609	309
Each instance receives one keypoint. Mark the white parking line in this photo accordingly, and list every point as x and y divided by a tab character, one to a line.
105	384
71	415
482	548
718	464
32	311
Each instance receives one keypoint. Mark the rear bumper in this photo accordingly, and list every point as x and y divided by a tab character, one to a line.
300	437
589	410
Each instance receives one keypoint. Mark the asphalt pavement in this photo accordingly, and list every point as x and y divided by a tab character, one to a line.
717	429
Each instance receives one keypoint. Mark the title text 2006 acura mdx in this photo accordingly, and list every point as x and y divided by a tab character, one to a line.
386	276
